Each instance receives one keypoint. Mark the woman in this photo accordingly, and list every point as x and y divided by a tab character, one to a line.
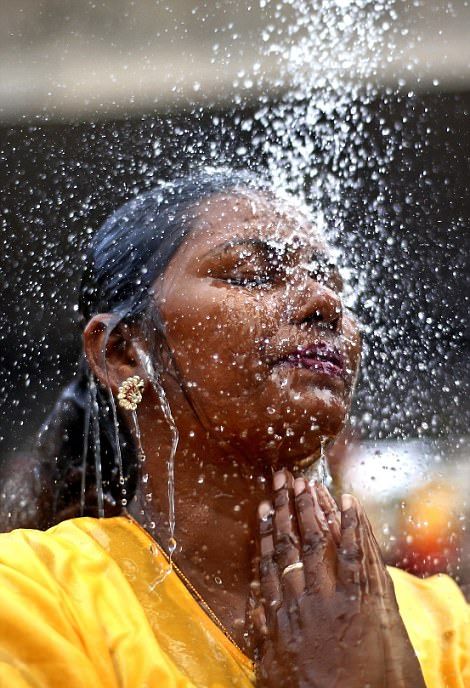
216	346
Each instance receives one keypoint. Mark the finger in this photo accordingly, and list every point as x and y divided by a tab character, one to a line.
270	586
331	511
377	581
381	587
351	564
260	626
314	536
289	625
373	562
286	539
380	581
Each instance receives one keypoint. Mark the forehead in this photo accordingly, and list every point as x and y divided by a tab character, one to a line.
250	215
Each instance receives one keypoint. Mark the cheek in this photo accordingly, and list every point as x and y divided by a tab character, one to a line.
217	336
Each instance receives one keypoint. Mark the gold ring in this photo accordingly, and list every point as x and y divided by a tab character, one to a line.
292	567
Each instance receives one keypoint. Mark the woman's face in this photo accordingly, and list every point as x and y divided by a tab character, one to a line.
251	303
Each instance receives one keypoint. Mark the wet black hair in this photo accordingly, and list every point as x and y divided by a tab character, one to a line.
124	258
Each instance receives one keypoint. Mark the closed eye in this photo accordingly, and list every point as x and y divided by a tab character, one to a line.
246	264
250	280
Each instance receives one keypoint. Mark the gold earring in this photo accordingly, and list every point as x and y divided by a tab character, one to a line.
130	393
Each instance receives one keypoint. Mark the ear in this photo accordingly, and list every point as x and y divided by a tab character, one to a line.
110	351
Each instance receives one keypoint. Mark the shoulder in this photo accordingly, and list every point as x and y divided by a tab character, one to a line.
62	597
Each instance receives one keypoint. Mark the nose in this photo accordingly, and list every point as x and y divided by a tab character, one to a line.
318	305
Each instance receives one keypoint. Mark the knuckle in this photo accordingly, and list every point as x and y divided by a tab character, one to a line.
330	515
284	545
351	554
266	527
313	542
267	568
351	557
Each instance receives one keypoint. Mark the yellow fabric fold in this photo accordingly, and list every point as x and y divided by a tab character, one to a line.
79	607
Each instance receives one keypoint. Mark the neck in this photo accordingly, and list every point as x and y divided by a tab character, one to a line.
216	500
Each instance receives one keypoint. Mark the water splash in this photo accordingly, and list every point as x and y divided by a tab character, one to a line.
317	138
328	54
330	140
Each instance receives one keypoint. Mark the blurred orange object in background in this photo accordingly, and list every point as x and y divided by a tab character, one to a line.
428	539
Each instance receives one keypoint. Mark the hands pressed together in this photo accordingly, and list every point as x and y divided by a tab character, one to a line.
326	614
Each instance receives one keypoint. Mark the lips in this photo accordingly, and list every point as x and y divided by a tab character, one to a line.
319	356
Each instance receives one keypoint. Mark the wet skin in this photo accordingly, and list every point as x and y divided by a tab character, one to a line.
238	310
258	366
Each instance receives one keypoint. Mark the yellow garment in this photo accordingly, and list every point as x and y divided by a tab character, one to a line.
78	609
437	619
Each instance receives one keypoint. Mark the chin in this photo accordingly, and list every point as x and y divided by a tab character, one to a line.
321	409
301	450
330	413
308	426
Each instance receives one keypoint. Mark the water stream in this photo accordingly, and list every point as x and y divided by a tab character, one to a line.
97	446
170	463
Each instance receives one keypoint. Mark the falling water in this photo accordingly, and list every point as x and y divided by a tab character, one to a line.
324	474
97	446
140	456
320	471
86	439
329	138
328	55
165	406
317	139
117	444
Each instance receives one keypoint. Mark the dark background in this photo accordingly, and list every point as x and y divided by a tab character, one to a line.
59	181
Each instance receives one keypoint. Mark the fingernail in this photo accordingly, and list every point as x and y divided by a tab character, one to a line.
264	510
279	480
346	502
299	486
